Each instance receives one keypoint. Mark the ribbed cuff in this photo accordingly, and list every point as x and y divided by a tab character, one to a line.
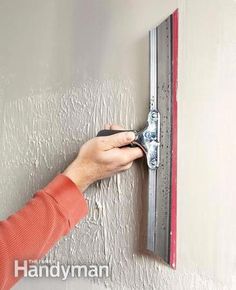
69	197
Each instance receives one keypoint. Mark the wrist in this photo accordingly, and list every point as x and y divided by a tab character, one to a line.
76	175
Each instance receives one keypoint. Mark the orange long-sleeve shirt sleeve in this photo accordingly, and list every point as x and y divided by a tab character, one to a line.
32	231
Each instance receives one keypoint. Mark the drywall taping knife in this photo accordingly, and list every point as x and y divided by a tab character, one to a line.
159	140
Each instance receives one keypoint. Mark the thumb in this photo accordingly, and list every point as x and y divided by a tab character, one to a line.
120	139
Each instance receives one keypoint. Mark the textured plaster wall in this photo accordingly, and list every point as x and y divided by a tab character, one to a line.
68	67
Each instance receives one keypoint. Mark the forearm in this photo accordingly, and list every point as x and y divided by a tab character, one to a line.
32	231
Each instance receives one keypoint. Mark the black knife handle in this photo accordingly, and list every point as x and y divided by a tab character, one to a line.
104	133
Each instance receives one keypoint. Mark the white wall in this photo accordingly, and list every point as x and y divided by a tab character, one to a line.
68	67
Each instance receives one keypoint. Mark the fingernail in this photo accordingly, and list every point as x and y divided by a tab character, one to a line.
130	136
141	153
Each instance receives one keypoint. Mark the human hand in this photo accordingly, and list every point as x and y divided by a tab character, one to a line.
102	157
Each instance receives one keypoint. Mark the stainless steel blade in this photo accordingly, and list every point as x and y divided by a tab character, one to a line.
159	186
